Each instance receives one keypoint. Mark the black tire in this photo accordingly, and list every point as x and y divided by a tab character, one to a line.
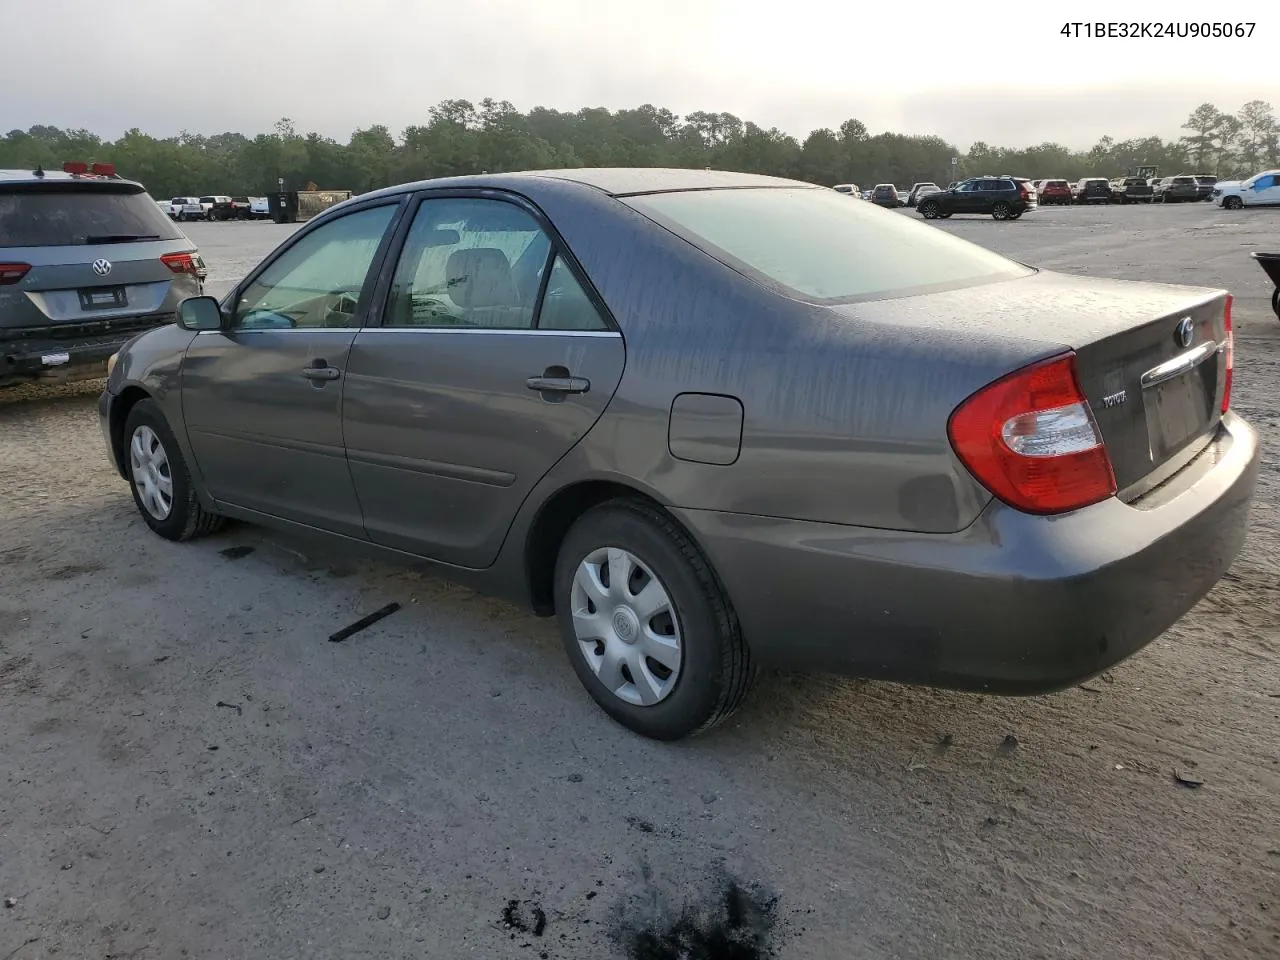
930	209
1014	216
1233	203
187	519
716	670
1275	302
1001	211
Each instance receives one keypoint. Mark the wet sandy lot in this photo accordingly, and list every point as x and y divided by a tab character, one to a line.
190	769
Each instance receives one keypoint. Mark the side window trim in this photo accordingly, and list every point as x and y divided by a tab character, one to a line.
231	301
376	316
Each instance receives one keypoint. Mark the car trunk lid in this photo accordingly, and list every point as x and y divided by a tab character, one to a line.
1151	357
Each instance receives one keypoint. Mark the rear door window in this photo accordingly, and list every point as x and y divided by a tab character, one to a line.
80	215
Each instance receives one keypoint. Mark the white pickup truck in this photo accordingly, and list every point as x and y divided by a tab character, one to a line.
186	208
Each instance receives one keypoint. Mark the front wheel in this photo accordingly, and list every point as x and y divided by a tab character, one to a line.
1001	211
1233	203
930	210
159	478
646	624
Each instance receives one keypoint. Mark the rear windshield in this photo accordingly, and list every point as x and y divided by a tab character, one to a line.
810	244
1184	180
65	217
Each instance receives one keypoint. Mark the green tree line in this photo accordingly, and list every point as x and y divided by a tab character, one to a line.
460	137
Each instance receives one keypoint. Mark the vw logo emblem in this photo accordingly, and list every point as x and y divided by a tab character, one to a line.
1185	332
102	267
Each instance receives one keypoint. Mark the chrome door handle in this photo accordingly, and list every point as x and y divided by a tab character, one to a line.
321	373
559	384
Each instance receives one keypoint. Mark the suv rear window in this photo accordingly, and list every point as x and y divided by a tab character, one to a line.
1184	179
811	244
80	214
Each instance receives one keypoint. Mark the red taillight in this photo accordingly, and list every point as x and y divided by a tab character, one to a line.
1030	439
1022	191
103	169
179	262
75	167
11	273
1231	355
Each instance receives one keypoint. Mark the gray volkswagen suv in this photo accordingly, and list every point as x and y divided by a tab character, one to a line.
87	262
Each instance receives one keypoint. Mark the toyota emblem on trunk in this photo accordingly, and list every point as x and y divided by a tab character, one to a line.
102	267
1185	332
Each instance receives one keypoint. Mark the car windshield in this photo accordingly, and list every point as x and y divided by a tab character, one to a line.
51	217
810	244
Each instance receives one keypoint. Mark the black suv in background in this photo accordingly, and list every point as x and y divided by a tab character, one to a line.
1003	198
1182	189
1205	185
1091	190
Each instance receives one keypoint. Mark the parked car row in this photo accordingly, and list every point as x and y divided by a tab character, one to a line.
216	207
1262	189
1184	188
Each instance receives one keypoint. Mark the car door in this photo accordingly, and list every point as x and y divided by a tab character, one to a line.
1265	191
968	198
262	399
493	357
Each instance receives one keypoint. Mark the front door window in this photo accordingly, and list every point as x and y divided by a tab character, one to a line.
318	282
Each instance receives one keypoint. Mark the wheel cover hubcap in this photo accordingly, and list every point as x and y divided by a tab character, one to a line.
626	626
152	477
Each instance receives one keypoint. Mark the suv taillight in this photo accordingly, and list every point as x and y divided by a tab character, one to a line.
179	262
1030	438
11	273
1230	350
1022	191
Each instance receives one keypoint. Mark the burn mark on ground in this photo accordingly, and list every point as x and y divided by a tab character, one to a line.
726	919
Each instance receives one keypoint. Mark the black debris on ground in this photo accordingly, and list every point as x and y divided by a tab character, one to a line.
364	623
231	706
524	917
235	553
726	920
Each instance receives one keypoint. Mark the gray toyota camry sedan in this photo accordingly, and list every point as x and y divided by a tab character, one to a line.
711	421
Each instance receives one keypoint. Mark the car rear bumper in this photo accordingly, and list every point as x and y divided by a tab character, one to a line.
63	359
1015	604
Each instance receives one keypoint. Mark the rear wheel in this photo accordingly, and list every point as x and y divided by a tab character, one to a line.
1001	211
646	624
159	478
930	210
1275	302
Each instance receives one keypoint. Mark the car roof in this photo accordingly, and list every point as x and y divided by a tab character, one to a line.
57	176
614	181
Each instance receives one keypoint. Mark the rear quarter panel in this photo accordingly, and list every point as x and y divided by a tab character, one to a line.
845	412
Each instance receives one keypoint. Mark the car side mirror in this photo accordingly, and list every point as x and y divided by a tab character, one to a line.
200	313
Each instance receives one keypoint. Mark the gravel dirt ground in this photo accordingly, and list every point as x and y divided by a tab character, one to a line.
190	768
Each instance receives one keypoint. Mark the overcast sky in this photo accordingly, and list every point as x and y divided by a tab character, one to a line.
999	73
